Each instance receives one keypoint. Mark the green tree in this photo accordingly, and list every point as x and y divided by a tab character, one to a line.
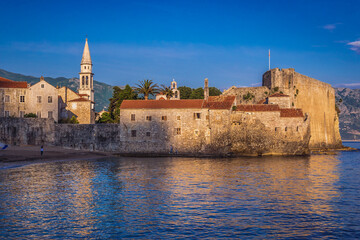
118	96
185	92
197	93
166	91
146	87
105	118
74	120
213	91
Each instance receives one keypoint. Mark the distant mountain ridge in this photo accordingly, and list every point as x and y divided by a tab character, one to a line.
348	101
102	91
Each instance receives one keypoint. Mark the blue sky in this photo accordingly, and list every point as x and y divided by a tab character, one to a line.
225	41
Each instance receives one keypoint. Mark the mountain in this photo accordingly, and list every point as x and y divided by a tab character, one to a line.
348	101
102	91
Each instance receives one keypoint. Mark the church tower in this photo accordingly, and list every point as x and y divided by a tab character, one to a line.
86	75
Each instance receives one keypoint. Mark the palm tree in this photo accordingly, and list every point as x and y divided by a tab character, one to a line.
146	87
166	91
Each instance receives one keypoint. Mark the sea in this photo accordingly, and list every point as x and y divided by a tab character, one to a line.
313	197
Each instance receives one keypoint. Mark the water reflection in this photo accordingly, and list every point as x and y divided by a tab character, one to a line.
270	197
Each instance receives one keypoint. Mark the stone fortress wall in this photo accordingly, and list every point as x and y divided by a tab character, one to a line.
315	98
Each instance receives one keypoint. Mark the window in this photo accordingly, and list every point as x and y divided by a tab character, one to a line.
38	99
83	81
133	133
164	118
50	114
176	94
197	115
7	98
148	134
276	129
132	117
148	118
178	117
285	129
42	85
7	114
297	128
173	85
22	98
38	114
21	114
87	80
178	131
49	99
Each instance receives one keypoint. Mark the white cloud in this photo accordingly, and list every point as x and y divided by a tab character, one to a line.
355	46
348	85
331	27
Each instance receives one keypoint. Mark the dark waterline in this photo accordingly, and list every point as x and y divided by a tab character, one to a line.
314	197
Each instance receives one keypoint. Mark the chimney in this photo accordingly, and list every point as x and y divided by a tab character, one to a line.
206	89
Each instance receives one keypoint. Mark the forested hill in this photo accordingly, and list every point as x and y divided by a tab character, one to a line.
348	101
102	91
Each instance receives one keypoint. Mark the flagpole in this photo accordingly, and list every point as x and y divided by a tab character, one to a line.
269	59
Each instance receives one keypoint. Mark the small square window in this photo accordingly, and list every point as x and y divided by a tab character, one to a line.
7	98
197	115
42	85
133	133
148	118
164	118
132	117
22	98
148	134
178	118
178	131
38	99
49	99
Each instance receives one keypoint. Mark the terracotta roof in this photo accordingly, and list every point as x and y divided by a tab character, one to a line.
279	95
291	112
80	100
82	94
219	102
6	83
155	104
257	107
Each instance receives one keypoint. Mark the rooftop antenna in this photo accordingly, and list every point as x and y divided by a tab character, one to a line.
269	59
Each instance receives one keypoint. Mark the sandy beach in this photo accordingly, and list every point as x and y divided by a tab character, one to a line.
32	153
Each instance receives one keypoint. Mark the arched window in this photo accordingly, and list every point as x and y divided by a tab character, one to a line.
87	80
176	94
83	83
173	85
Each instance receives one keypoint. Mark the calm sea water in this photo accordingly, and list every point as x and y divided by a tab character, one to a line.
314	197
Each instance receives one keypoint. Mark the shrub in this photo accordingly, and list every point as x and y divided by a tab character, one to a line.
30	115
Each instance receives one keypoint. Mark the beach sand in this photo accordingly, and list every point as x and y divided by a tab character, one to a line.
32	153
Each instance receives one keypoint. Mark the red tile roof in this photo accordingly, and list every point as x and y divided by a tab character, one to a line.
262	101
80	100
82	94
279	95
155	104
6	83
219	102
257	107
291	112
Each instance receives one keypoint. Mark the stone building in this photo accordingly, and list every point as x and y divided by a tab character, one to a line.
288	88
13	98
215	125
47	101
43	100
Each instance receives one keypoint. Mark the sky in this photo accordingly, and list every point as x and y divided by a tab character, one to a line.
224	41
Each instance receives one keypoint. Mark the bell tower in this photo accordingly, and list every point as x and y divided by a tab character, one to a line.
86	75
